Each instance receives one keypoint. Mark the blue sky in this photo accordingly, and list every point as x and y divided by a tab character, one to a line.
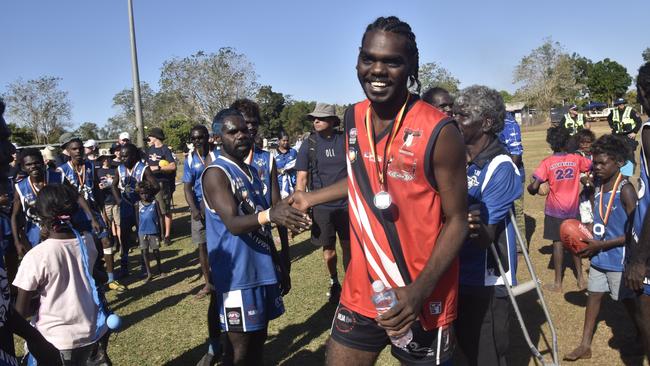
303	48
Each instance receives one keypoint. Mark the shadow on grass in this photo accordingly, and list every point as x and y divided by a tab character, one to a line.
302	249
625	337
189	357
531	226
292	339
534	320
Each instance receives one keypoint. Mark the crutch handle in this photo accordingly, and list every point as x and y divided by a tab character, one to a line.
522	288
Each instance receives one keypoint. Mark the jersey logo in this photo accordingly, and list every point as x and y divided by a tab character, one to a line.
435	307
472	181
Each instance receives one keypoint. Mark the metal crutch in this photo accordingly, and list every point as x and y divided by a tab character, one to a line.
523	288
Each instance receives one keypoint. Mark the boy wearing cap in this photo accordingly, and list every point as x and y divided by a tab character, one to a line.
162	163
320	163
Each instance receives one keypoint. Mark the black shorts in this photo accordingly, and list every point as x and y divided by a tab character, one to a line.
327	223
483	323
359	332
552	227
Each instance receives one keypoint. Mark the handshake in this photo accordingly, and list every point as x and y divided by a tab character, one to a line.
291	212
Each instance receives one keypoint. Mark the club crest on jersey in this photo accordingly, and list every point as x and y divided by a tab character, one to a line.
472	181
352	154
352	136
411	138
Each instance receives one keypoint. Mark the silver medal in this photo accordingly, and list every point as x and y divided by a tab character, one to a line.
382	200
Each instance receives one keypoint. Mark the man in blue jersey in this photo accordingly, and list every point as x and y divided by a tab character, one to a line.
637	266
510	137
127	176
197	159
243	259
493	184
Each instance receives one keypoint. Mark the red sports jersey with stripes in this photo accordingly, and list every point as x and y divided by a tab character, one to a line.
394	245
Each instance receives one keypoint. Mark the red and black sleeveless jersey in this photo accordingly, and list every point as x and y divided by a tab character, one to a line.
394	245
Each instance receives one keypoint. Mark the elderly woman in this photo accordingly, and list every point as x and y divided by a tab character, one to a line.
493	184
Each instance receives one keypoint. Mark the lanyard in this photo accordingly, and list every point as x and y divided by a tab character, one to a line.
33	186
381	171
611	200
81	174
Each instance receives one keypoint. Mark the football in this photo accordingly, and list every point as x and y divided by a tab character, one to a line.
572	232
544	188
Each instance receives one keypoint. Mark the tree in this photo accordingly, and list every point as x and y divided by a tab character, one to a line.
547	77
294	117
271	105
204	83
177	132
124	120
22	136
87	131
507	97
39	105
432	75
608	80
581	67
646	55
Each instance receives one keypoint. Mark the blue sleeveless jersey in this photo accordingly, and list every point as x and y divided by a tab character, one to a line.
493	184
263	162
239	261
129	180
85	189
612	259
643	196
148	219
28	202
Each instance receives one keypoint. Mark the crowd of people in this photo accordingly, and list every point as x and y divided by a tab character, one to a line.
384	181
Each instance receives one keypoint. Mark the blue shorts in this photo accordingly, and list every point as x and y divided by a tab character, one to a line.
249	310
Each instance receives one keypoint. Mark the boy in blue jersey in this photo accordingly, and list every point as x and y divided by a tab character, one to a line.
197	159
637	266
614	204
149	220
243	260
493	184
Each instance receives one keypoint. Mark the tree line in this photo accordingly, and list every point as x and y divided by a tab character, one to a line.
192	89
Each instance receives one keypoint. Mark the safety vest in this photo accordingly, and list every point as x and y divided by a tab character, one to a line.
619	124
574	125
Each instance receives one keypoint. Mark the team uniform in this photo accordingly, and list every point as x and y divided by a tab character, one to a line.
192	170
263	162
642	208
84	183
128	180
394	245
242	269
493	184
27	195
148	225
607	266
562	172
287	180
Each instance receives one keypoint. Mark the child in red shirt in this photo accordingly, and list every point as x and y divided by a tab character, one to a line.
562	172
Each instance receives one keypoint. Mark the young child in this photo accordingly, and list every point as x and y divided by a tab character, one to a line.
614	203
149	221
583	140
562	171
65	273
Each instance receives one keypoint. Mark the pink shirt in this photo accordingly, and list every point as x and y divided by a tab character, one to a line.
562	172
67	313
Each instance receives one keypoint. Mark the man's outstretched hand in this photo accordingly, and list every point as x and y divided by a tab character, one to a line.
286	215
298	200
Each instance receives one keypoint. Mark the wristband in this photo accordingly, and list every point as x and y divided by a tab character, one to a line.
264	217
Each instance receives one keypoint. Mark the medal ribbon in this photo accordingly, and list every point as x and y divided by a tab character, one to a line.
33	186
81	175
370	131
611	200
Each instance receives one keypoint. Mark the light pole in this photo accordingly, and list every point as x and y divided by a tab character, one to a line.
136	81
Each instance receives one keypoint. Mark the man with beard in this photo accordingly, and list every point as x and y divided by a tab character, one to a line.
243	258
408	212
128	175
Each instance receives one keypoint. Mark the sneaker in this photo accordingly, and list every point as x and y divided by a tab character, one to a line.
334	293
167	241
207	360
114	285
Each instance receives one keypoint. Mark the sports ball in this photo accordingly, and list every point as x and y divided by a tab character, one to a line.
544	188
114	322
163	163
572	232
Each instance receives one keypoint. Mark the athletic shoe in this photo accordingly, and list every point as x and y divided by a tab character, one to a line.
334	293
114	285
167	241
207	360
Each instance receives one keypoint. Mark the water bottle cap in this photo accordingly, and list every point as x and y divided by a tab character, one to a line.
378	286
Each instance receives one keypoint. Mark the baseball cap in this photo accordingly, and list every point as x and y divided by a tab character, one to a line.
124	136
157	133
619	101
90	143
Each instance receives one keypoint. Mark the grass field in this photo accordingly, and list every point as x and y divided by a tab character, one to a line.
166	325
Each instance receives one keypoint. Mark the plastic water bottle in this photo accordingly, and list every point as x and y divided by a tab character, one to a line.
384	299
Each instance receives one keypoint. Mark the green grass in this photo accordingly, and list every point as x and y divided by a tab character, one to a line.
165	325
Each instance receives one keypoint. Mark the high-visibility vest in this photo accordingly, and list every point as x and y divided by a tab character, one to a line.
619	125
574	125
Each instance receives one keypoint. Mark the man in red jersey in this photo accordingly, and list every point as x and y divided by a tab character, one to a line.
406	175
